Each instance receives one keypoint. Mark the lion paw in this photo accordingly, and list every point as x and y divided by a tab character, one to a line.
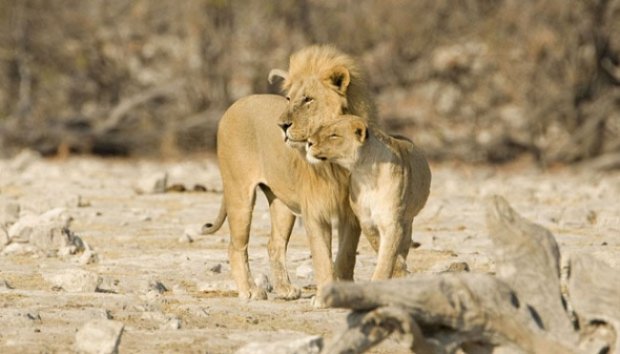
253	294
288	292
317	303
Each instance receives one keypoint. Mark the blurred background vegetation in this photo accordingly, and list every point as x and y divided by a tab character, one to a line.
471	80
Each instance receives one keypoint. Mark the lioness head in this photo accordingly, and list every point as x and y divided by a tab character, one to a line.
322	84
337	142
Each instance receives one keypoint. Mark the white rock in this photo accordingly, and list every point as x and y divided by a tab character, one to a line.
9	214
4	285
4	237
212	286
24	159
172	323
306	345
88	257
74	280
17	249
155	183
186	238
305	270
155	285
99	336
45	228
262	281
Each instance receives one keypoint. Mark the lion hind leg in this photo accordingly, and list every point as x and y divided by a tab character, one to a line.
239	209
390	246
282	221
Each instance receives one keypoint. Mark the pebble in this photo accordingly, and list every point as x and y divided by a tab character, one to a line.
10	213
305	345
186	238
4	285
305	270
458	267
99	337
153	184
74	280
88	257
23	160
262	281
17	249
215	269
212	286
157	286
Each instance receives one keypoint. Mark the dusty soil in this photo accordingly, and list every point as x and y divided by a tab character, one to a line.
138	239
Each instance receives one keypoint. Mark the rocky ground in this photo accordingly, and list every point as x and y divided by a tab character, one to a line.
87	246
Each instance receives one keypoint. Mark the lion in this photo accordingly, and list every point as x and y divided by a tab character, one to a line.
321	84
389	184
253	153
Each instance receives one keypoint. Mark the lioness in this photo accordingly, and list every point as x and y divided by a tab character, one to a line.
389	184
252	153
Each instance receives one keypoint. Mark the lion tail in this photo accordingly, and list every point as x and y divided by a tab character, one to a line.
210	228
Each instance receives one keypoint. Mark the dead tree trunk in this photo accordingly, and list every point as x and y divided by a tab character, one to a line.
520	310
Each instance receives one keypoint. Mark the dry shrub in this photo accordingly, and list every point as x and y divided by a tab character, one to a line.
476	80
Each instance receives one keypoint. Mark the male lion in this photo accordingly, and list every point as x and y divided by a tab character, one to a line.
389	184
252	154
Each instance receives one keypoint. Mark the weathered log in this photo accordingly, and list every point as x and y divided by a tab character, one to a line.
527	258
594	290
367	329
518	310
452	310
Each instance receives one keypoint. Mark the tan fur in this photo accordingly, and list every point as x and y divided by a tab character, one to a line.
252	153
389	184
322	83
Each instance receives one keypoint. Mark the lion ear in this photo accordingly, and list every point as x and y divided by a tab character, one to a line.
339	77
360	129
277	73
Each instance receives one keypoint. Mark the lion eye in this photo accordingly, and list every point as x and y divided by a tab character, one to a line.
308	99
288	98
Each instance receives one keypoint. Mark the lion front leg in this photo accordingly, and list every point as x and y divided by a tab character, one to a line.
282	221
348	239
319	233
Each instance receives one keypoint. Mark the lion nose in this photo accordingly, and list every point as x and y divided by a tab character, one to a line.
284	126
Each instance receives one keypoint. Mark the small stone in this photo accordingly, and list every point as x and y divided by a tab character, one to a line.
99	337
214	286
173	323
186	238
4	236
80	202
199	188
305	270
10	214
17	249
88	257
157	286
24	159
216	269
305	345
74	280
262	281
152	184
4	285
458	267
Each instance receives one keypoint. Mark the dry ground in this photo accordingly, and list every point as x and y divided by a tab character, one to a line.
137	240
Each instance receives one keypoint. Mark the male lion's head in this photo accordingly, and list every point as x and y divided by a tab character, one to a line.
322	83
338	141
